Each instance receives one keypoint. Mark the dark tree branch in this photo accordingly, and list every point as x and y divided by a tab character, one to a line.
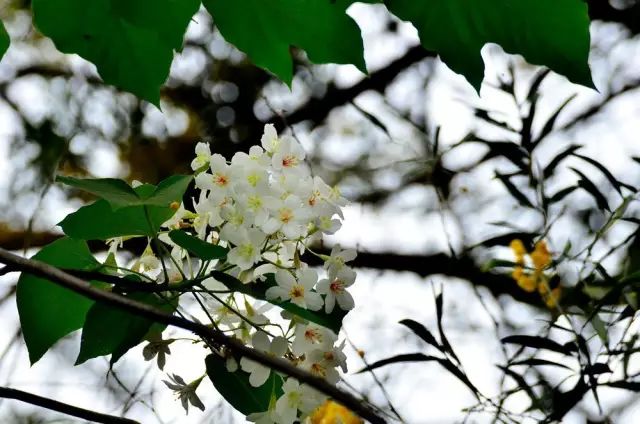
316	110
63	408
215	337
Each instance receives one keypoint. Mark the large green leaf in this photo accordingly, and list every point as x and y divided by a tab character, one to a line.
266	29
130	42
4	40
258	289
47	311
235	387
554	33
197	247
119	194
112	331
99	220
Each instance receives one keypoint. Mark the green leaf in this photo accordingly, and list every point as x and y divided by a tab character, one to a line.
47	311
169	190
98	221
235	387
197	247
257	290
117	192
554	33
537	342
405	357
130	42
4	40
266	29
112	331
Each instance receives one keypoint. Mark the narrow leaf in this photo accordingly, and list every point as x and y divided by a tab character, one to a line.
537	342
422	332
407	357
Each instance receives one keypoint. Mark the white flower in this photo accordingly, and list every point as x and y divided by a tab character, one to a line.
253	206
334	288
295	397
312	336
270	141
298	292
203	155
148	262
258	372
287	216
207	213
289	156
220	177
248	245
336	357
319	365
338	258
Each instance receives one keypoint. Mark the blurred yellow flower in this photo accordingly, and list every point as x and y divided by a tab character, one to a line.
529	281
331	412
518	249
540	256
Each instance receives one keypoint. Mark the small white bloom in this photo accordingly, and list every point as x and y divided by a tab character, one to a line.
296	397
289	157
207	213
334	288
270	141
248	245
321	366
338	258
258	372
298	292
287	216
203	155
312	336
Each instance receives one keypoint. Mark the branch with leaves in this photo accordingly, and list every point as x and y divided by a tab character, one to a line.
215	337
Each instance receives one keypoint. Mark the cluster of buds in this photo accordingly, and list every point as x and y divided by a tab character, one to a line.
267	209
533	277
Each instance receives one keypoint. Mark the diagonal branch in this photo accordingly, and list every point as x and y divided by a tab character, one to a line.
216	337
64	408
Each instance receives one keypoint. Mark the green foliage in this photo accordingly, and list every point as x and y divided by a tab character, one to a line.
98	221
554	33
47	311
119	194
4	40
266	30
235	387
197	247
130	42
257	290
111	331
123	213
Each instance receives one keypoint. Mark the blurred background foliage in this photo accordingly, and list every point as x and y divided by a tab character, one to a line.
441	180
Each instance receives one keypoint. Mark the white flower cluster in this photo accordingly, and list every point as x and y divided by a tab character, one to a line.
267	209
